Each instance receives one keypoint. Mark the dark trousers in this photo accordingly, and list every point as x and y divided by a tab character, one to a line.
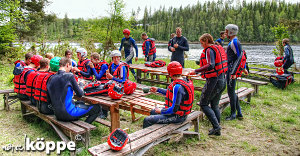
234	100
286	66
155	118
211	94
92	114
44	107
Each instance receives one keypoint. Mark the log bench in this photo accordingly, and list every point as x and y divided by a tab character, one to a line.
144	139
75	130
9	98
254	83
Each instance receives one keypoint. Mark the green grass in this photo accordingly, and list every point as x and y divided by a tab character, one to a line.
271	124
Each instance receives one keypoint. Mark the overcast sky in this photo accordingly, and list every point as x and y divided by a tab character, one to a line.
99	8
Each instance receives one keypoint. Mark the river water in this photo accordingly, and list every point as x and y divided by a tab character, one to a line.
257	54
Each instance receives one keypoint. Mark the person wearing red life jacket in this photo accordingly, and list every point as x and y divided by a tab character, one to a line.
40	93
26	62
117	71
149	49
213	66
83	70
98	67
20	76
179	99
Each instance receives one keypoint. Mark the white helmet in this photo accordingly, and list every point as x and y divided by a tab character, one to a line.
232	29
115	53
82	51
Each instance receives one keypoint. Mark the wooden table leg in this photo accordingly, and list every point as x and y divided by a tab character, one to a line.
5	99
115	117
139	75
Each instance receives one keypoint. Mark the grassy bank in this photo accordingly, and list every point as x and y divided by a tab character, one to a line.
271	125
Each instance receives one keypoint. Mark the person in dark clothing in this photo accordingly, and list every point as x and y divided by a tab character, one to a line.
178	45
213	67
220	41
170	41
234	50
179	99
288	55
60	89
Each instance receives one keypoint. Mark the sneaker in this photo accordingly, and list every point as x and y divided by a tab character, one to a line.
216	131
230	118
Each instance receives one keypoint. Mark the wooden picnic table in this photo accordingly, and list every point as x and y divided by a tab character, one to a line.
112	105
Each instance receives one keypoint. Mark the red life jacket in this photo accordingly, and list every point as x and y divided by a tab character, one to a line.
30	83
118	70
82	66
21	62
152	49
40	93
155	64
220	62
185	107
241	65
98	68
19	81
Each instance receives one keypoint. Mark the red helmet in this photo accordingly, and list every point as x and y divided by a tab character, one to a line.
129	87
280	71
115	91
126	31
117	139
35	59
174	68
278	63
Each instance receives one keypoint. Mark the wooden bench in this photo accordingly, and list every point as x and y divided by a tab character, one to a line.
254	83
76	130
9	98
270	70
142	140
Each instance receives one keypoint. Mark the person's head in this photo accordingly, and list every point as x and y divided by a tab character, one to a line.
126	33
178	32
35	61
54	64
27	58
172	35
206	40
81	53
95	58
115	56
174	69
68	54
144	36
65	64
285	41
49	56
44	64
231	30
222	34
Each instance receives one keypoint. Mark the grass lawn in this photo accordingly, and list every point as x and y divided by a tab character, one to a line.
271	125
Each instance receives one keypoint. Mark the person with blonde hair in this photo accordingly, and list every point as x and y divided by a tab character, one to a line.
49	56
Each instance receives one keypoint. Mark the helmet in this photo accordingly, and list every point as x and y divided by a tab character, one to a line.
82	51
126	31
35	59
115	91
174	68
280	71
115	53
129	87
278	63
232	29
117	139
54	64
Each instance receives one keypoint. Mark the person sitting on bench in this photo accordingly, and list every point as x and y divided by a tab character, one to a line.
179	99
60	89
98	67
117	71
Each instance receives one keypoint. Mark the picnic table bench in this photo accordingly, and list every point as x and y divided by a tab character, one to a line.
270	70
75	130
9	98
254	83
144	139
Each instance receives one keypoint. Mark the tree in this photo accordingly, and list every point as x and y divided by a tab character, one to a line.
280	32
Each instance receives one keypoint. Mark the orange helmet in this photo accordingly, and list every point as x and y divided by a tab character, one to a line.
115	91
35	59
126	31
174	68
129	87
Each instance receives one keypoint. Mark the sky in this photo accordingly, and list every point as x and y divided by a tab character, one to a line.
99	8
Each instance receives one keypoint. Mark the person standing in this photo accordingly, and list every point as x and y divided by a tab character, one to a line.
220	41
149	49
213	67
234	50
171	37
288	59
178	45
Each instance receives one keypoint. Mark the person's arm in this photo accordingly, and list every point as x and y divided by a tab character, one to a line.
147	48
286	53
185	46
237	48
88	71
102	71
162	91
75	86
210	57
123	72
135	47
121	44
178	94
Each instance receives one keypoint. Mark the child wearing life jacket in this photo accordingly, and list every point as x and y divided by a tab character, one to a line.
26	62
49	56
83	70
179	99
213	66
118	71
98	67
21	74
61	88
41	93
69	54
149	49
